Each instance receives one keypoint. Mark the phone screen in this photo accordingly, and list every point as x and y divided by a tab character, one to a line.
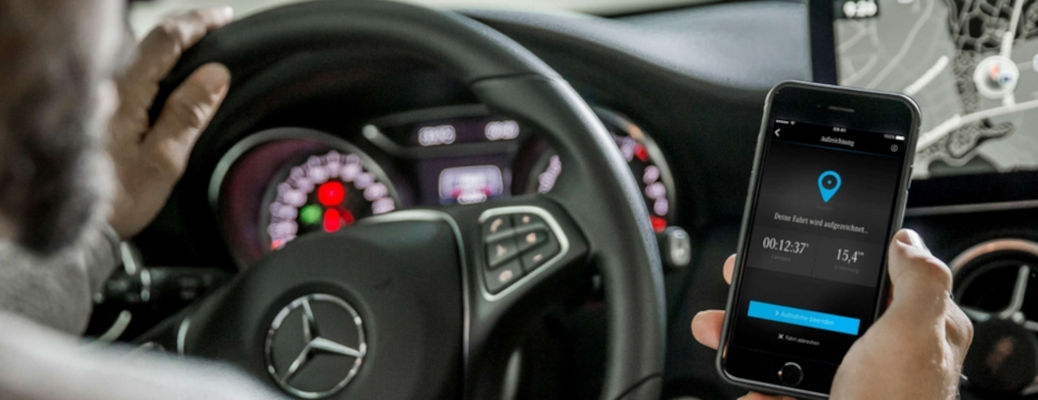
814	249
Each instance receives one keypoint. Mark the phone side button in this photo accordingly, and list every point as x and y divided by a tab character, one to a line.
791	374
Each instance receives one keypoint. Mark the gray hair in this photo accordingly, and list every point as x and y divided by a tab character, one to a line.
54	172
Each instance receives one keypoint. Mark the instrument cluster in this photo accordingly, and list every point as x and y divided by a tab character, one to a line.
283	183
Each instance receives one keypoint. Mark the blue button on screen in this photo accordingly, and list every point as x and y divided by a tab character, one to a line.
801	317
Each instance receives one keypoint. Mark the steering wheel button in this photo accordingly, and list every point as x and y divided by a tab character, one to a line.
535	257
500	251
497	280
525	220
530	239
496	225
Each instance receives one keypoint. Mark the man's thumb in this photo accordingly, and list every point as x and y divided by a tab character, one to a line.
920	282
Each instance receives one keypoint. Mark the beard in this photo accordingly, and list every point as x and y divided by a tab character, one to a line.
55	176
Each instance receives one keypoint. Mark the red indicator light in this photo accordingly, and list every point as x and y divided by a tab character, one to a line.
333	220
347	217
331	194
277	244
641	153
658	224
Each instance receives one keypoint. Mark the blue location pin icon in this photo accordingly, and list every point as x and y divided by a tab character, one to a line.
828	183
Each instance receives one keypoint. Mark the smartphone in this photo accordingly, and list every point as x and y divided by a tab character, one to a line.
827	192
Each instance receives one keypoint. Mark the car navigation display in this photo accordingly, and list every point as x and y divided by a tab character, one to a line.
972	66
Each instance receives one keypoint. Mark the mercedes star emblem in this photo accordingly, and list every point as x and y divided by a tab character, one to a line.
315	346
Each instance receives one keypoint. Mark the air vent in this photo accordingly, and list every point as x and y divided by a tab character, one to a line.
994	285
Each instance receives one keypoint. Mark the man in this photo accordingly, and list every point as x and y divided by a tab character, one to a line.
58	92
58	87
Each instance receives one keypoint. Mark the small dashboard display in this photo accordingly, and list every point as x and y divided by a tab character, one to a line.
471	184
464	158
464	130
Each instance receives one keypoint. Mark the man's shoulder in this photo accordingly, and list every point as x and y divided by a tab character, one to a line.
37	362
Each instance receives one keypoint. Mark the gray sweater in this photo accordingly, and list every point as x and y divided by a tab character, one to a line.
45	304
56	291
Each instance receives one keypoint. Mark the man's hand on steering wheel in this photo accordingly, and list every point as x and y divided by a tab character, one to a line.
149	157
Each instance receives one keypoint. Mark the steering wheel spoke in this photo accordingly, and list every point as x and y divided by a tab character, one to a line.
521	255
514	245
1016	301
977	315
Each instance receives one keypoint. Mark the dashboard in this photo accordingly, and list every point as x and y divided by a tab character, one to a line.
281	183
680	90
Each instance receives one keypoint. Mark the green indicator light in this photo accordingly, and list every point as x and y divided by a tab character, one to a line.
310	214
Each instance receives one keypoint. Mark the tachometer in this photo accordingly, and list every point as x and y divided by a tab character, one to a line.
325	193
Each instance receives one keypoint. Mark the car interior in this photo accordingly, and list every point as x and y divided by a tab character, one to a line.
516	201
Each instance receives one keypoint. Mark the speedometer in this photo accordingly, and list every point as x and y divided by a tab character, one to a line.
276	185
325	193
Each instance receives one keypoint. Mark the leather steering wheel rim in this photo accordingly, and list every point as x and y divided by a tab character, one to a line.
597	187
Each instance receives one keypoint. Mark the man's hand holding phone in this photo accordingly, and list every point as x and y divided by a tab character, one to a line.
914	350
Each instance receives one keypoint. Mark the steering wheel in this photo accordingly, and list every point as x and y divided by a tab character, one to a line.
420	303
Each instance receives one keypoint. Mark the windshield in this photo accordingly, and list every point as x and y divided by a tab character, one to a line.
971	66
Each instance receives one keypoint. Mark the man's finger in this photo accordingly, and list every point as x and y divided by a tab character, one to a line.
921	282
958	328
706	327
161	48
729	267
187	112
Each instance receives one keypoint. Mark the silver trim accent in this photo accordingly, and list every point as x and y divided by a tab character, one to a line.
145	285
126	253
129	256
185	324
970	208
1019	292
510	383
552	224
314	344
132	265
122	321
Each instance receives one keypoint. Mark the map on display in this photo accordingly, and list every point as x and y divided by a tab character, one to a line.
972	65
